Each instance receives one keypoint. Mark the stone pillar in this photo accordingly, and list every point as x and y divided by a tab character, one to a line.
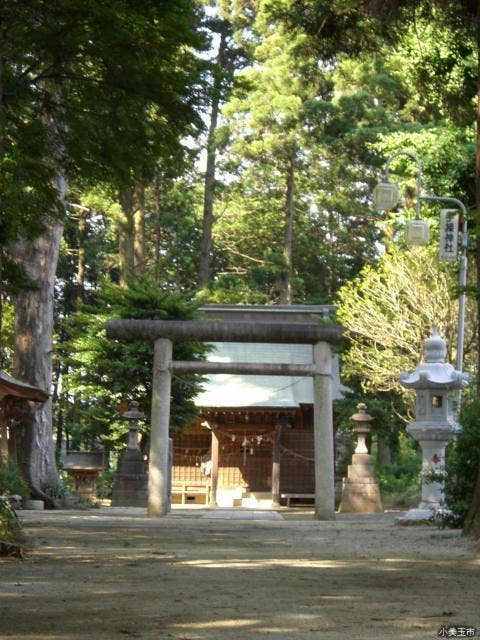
323	432
158	474
361	493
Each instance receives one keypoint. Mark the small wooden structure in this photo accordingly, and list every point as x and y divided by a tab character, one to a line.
13	393
85	466
245	456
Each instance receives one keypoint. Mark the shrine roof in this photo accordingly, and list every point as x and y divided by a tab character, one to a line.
13	387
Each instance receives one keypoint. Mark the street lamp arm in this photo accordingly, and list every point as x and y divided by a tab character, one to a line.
415	158
458	203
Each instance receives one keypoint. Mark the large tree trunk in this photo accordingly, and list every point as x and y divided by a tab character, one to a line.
209	189
472	522
33	360
286	292
477	196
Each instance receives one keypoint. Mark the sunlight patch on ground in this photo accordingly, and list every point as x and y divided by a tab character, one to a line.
218	624
255	564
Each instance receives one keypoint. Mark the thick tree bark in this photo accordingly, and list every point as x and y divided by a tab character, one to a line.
33	360
472	522
1	261
477	195
209	189
286	292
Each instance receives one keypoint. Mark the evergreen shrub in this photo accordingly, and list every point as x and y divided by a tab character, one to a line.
463	461
12	481
400	480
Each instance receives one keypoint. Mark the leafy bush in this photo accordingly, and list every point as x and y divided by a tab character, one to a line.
463	461
12	481
400	481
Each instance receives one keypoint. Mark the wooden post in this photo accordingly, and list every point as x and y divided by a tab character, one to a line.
214	472
3	438
158	480
323	433
276	467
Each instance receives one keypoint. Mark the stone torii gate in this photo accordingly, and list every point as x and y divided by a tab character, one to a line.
164	332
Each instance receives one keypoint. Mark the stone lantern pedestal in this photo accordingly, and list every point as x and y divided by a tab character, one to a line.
130	486
360	491
434	426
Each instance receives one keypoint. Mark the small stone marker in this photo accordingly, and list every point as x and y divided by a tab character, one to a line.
360	492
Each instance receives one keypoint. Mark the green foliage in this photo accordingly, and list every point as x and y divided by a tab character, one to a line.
96	91
7	336
105	483
387	410
463	460
400	481
12	481
448	159
391	309
106	374
11	535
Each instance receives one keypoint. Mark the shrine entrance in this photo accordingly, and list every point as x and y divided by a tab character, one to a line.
164	332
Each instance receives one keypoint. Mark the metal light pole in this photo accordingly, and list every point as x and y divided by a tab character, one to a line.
462	274
385	196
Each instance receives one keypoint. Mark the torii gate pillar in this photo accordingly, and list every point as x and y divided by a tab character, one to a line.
323	432
158	481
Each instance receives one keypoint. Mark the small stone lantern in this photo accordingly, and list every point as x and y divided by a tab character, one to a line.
130	486
360	491
434	426
133	415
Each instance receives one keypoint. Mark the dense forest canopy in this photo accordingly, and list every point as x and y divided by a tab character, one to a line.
158	155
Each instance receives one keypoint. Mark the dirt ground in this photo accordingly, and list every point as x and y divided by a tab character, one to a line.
113	573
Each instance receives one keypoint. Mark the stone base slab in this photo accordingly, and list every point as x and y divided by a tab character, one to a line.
361	496
419	515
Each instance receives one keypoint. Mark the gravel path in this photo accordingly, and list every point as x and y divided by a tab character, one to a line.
113	573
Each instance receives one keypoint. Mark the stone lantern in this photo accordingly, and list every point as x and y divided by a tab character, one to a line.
434	426
130	486
360	491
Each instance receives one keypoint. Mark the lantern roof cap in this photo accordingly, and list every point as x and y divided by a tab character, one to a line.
435	348
361	416
434	373
133	412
